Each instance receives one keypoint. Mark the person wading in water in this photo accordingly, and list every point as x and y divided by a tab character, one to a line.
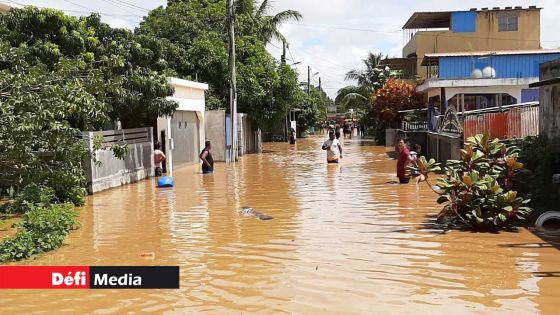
207	160
292	136
333	148
159	157
404	159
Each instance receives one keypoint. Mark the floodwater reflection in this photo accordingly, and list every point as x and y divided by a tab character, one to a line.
344	240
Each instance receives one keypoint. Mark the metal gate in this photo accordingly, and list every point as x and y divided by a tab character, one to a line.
184	131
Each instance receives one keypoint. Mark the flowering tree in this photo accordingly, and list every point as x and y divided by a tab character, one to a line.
395	95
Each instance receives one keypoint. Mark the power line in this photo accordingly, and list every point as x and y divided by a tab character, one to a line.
340	28
71	11
132	5
78	5
118	6
455	35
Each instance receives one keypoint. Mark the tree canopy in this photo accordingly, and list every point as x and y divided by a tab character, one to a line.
60	75
196	39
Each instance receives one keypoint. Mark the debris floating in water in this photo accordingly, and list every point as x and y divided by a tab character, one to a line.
248	211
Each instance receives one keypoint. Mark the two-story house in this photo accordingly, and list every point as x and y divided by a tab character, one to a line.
496	29
475	69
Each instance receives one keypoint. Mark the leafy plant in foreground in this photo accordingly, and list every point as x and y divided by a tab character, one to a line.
43	229
477	190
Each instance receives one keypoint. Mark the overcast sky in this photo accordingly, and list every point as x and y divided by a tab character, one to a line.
334	35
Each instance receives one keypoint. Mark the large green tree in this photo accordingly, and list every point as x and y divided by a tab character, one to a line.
196	37
60	75
135	87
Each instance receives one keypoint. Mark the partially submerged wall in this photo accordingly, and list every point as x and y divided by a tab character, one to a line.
549	118
112	172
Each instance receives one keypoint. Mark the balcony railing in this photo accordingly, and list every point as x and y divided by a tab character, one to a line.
414	125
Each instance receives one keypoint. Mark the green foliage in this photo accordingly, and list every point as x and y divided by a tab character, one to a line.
119	150
369	80
104	72
541	157
31	195
312	109
416	115
43	229
60	75
477	190
196	41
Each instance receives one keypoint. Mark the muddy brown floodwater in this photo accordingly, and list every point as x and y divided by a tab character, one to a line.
344	240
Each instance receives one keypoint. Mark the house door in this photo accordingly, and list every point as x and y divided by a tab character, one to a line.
184	130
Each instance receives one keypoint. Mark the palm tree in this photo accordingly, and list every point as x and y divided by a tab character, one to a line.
368	76
369	79
267	25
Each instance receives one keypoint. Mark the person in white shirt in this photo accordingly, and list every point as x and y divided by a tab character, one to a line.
333	148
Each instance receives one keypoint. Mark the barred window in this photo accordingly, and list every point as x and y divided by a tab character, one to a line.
507	22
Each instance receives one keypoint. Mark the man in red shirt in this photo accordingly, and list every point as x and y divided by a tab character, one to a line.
404	159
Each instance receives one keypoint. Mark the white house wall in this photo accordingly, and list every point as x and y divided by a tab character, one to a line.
190	97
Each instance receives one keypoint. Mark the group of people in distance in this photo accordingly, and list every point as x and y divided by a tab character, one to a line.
205	156
333	146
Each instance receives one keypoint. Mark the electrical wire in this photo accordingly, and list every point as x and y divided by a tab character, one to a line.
131	5
455	35
78	5
120	7
70	11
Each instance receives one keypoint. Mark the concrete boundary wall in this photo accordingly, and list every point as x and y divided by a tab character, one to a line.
443	147
138	164
249	138
216	133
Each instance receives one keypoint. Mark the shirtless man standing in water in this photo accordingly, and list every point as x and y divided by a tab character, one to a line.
333	148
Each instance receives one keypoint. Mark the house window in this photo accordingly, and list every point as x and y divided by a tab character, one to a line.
507	22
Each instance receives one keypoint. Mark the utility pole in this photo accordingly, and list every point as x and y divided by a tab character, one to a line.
233	80
308	80
320	84
283	57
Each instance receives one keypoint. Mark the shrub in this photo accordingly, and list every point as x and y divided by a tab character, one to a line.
541	157
477	191
43	229
32	194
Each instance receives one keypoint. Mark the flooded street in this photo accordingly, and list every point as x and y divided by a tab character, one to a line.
344	240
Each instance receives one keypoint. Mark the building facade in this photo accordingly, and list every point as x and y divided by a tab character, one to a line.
182	135
480	80
485	29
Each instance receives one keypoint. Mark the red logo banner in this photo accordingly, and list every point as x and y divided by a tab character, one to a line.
42	277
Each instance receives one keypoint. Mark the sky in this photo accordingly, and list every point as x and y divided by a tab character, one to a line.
334	35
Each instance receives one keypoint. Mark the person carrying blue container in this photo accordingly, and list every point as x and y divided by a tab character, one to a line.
207	160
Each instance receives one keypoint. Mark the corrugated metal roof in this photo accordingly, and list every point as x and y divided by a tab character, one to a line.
429	20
